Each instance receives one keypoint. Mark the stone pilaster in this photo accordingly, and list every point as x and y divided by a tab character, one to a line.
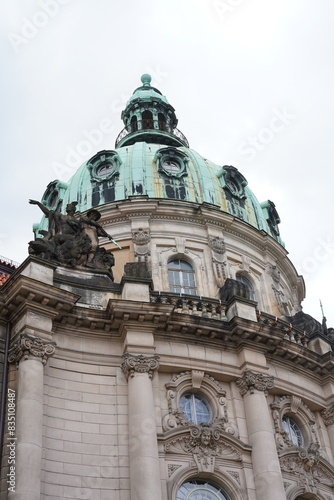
266	468
143	445
30	355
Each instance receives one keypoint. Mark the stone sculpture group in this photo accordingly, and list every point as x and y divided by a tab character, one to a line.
72	241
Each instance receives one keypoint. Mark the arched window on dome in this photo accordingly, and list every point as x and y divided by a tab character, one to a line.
162	121
134	124
197	489
181	277
147	119
241	278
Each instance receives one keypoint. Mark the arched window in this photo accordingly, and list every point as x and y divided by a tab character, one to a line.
147	120
248	284
200	489
181	277
134	124
195	408
293	431
162	121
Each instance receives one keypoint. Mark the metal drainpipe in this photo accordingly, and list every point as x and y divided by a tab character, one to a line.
4	390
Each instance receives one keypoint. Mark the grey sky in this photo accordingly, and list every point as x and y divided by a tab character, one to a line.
251	82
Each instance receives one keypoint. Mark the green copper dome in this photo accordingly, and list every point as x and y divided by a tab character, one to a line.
156	162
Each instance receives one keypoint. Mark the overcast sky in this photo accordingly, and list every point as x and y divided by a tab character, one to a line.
251	82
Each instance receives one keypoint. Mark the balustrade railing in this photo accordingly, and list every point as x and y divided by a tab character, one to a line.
148	124
290	332
205	307
192	304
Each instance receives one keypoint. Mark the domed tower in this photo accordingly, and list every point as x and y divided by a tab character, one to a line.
150	118
192	372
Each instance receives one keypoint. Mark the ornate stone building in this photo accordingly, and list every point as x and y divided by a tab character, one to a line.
190	372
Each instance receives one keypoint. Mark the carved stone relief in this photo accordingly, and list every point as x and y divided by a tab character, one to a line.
308	468
205	442
141	238
172	468
235	475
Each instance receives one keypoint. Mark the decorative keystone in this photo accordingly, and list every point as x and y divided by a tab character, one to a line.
31	346
328	415
139	364
251	381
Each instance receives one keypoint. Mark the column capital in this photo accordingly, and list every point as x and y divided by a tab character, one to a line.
251	381
28	346
139	363
328	415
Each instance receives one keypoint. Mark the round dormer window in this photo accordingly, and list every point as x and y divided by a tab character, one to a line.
104	170
171	166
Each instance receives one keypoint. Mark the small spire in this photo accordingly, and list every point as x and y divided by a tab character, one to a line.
146	80
324	320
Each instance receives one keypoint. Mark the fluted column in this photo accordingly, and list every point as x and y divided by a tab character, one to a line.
143	445
31	354
266	468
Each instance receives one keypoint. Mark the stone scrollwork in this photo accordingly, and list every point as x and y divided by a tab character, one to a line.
28	346
139	364
251	381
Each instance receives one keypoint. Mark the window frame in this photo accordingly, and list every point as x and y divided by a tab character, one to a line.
193	411
182	288
247	282
214	487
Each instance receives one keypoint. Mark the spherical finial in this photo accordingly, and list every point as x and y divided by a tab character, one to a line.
146	80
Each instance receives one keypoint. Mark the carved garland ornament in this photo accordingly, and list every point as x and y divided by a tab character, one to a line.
139	364
31	346
251	381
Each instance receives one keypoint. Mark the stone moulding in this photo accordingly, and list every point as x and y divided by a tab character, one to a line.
251	381
29	346
139	364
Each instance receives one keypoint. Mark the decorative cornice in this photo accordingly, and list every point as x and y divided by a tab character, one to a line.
140	364
251	381
328	415
29	346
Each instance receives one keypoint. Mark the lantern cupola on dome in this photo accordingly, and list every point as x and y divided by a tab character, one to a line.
149	117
